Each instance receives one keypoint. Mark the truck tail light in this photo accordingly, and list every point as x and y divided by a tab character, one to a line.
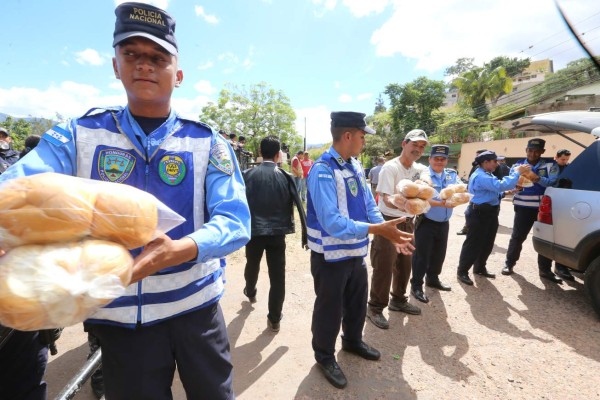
545	210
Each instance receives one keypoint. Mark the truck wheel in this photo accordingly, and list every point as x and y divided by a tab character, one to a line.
592	284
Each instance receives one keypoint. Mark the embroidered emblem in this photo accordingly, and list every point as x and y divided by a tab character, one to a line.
340	161
221	159
542	172
353	186
171	170
115	165
58	136
554	169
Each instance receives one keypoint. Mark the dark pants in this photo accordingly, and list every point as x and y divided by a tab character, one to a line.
275	248
23	360
522	224
482	224
390	269
140	363
341	289
431	241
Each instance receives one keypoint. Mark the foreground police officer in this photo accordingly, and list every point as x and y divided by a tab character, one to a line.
482	221
341	214
170	316
431	232
526	203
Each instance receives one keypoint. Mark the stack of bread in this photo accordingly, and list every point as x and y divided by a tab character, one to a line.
67	241
413	197
455	194
525	180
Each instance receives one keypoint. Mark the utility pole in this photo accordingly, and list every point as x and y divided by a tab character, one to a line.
304	133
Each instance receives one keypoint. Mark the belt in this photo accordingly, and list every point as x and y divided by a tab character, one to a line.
431	220
483	206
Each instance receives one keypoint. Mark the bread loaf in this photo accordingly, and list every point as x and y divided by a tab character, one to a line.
416	206
124	214
50	286
458	199
398	200
524	181
44	208
407	188
425	192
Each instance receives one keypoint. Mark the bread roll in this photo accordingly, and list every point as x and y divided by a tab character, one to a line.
460	188
407	188
524	182
44	208
458	199
398	200
124	214
416	206
425	192
447	192
50	286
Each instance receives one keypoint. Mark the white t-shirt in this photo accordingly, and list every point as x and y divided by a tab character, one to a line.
393	172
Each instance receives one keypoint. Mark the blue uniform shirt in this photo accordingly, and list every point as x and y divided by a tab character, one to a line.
217	238
325	201
486	188
440	181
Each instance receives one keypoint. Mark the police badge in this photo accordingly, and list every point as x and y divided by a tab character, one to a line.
353	186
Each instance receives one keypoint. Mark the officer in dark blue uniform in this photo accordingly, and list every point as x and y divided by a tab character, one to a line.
526	203
483	212
431	233
341	213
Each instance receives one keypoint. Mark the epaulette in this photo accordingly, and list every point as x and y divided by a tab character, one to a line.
101	110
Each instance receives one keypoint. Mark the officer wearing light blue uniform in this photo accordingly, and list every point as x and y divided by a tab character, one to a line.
341	212
170	318
526	203
482	221
431	233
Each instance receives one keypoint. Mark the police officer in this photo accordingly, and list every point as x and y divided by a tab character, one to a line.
526	203
341	213
431	233
483	210
170	316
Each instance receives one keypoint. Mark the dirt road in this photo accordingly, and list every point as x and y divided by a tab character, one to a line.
512	337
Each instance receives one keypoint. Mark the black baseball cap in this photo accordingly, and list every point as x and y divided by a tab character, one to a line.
350	119
486	156
139	19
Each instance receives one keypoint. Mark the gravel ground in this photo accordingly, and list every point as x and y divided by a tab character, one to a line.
514	337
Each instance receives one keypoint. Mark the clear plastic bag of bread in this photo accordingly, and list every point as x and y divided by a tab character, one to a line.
51	208
414	206
524	181
449	190
459	198
54	285
417	189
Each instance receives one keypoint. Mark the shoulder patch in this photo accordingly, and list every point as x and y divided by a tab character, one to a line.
220	158
58	136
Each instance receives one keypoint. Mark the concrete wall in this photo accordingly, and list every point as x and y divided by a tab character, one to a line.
515	148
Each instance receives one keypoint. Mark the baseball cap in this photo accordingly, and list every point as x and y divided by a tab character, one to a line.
145	20
415	135
536	144
4	132
439	150
350	119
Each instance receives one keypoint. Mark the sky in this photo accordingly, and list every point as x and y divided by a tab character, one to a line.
325	55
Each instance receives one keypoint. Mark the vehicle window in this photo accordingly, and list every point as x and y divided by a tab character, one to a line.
583	171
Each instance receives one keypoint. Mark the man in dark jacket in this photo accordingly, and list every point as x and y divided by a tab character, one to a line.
271	194
8	156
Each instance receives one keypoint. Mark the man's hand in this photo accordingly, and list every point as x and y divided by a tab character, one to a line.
161	253
389	231
406	248
523	168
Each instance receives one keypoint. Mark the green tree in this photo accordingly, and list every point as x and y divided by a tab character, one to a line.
513	66
379	105
254	112
481	84
413	104
20	128
577	73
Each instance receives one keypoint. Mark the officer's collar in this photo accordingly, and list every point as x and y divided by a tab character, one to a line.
339	158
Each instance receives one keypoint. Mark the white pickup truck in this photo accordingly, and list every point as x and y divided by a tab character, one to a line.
568	225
